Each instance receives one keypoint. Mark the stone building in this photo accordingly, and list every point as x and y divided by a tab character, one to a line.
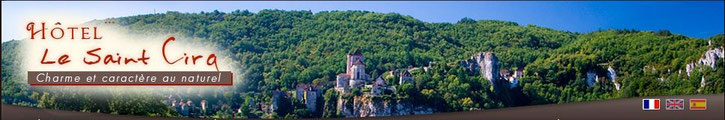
354	76
308	94
380	86
405	77
278	98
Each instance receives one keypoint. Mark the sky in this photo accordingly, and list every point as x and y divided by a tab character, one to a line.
694	19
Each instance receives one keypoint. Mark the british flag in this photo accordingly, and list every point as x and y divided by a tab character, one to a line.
675	104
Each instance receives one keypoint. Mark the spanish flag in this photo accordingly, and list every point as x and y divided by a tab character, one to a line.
698	104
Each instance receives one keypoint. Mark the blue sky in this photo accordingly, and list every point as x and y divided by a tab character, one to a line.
694	19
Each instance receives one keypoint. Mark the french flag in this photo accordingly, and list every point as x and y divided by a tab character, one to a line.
650	104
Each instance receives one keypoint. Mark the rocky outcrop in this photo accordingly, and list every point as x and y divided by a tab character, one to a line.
702	83
371	106
689	68
613	77
486	63
592	77
709	59
367	106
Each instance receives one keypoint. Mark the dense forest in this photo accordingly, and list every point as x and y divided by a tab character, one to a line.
280	49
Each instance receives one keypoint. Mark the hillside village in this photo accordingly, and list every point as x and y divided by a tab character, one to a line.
356	79
569	67
367	103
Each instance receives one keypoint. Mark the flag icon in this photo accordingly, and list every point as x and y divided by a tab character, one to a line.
675	104
698	104
650	104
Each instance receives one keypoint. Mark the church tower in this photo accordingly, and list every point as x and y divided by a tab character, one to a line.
352	58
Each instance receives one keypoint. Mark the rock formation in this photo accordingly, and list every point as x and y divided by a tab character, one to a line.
592	77
486	63
370	106
613	77
709	59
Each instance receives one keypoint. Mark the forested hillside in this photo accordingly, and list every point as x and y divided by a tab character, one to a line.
281	49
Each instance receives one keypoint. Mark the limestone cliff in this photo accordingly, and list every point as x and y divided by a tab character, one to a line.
486	63
613	77
592	77
709	59
372	106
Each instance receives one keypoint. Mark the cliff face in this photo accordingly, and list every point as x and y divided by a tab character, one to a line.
709	59
592	77
613	77
486	63
711	56
370	106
